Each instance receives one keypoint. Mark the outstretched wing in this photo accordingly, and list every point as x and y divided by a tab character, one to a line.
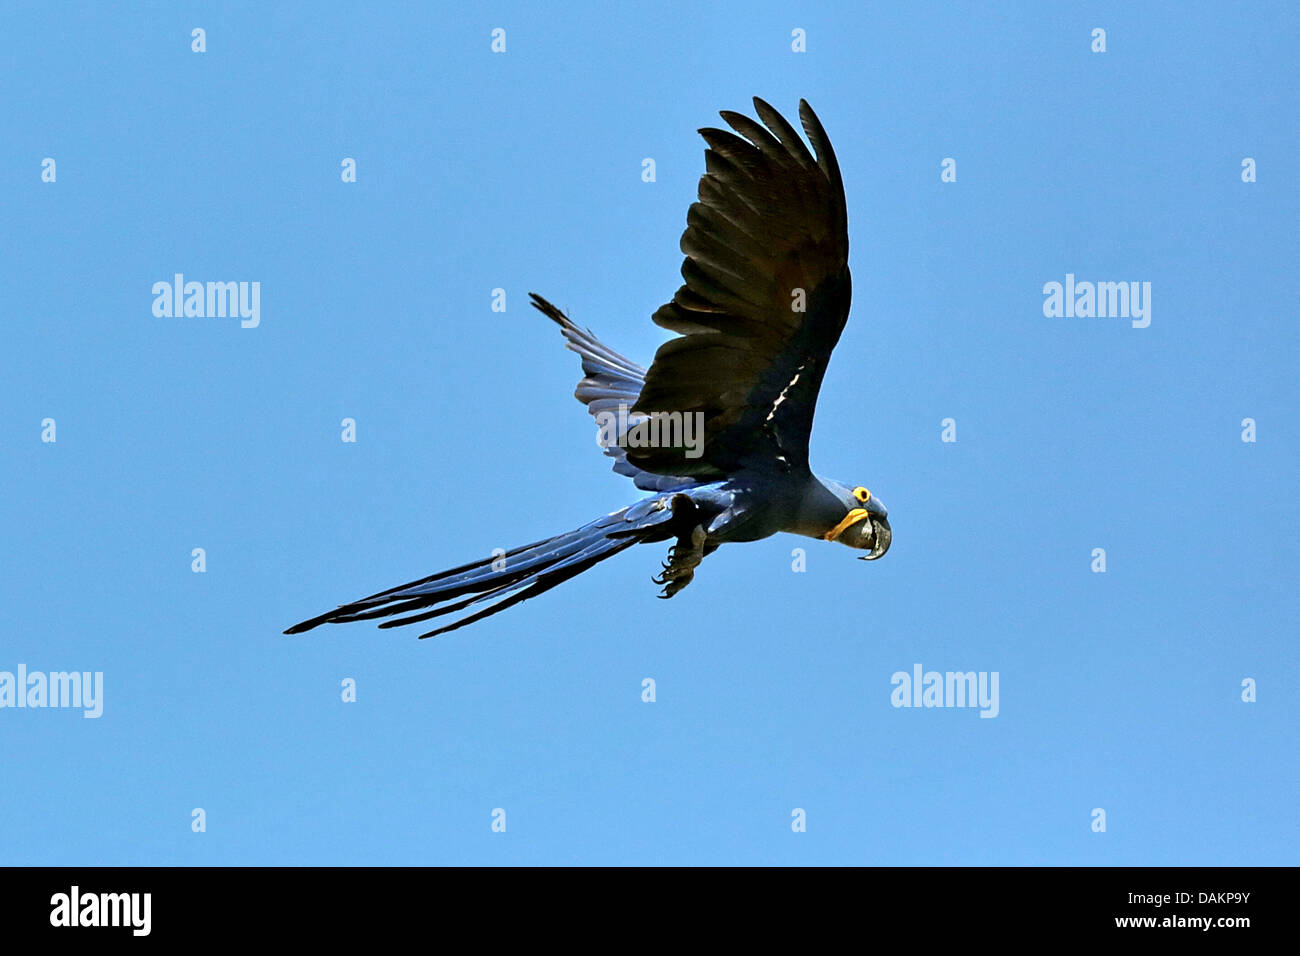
766	297
611	383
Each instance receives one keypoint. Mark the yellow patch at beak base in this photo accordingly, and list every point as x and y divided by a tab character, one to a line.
850	519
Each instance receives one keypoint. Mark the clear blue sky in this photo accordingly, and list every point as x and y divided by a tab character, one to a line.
522	171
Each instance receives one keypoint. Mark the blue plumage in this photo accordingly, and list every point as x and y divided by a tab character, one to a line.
765	298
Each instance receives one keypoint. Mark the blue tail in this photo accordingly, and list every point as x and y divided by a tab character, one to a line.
513	577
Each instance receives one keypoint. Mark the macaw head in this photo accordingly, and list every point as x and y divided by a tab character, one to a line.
865	524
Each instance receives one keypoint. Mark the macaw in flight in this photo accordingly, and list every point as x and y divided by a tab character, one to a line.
765	299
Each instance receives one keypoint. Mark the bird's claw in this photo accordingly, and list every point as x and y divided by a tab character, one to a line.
682	561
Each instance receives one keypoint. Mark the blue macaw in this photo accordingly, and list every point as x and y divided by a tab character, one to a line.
765	299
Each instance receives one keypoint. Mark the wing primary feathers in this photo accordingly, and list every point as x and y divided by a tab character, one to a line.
765	297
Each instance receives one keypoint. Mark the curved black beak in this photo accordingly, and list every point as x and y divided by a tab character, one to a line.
881	535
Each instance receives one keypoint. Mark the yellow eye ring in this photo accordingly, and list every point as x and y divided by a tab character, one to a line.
862	494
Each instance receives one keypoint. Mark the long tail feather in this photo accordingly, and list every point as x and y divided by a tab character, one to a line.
539	584
507	579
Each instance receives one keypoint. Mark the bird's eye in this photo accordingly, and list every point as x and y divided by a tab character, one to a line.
862	494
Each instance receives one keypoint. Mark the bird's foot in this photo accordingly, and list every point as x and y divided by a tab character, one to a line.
683	558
